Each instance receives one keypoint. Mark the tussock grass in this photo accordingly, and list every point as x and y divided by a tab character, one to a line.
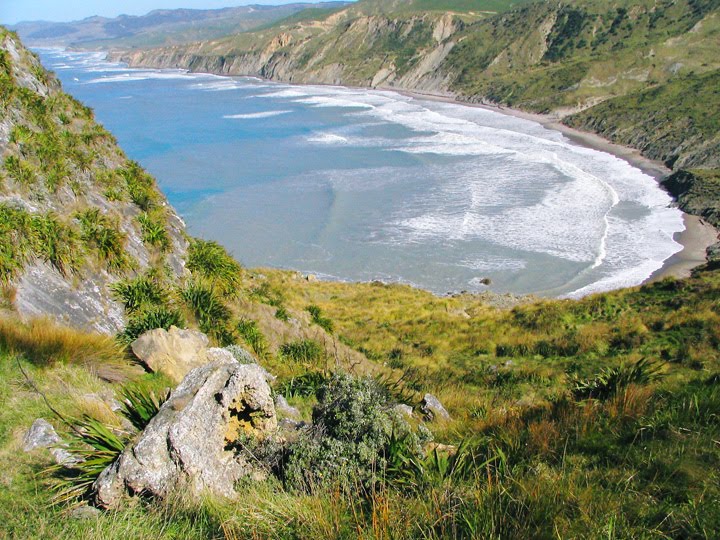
45	343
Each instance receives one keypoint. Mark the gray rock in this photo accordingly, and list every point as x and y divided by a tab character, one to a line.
284	409
85	512
244	357
433	409
173	352
188	446
403	410
40	435
289	425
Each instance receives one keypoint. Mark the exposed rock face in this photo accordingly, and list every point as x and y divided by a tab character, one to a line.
173	352
433	409
42	290
188	447
42	435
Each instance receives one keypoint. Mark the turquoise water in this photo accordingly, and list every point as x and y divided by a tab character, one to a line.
362	185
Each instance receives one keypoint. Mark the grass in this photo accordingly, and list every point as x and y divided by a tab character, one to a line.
43	342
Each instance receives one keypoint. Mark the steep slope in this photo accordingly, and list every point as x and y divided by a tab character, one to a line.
548	57
159	27
75	214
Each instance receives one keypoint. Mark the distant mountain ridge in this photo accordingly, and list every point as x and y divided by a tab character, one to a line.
159	27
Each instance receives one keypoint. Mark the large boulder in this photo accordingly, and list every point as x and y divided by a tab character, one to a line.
194	444
433	409
173	352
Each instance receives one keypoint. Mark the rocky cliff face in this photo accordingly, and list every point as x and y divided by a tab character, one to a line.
374	51
75	214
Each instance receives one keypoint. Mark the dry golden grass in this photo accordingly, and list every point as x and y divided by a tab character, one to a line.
43	342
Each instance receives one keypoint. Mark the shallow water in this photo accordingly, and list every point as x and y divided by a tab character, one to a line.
364	185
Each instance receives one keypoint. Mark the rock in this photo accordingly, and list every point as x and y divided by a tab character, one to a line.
433	409
283	408
40	435
245	357
403	410
189	446
173	352
85	512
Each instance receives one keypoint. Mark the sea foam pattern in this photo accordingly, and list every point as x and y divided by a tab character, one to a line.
364	184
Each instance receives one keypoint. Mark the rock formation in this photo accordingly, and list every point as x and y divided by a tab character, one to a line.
194	444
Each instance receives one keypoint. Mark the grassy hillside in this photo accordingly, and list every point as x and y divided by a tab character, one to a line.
595	418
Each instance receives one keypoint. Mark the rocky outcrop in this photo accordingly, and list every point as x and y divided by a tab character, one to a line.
697	192
433	409
193	446
173	352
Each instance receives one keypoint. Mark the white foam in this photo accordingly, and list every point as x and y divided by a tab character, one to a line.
251	116
328	139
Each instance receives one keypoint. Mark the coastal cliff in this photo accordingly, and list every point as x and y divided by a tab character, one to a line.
617	69
76	215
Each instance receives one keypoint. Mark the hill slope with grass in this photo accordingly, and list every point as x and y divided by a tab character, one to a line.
638	72
595	418
76	215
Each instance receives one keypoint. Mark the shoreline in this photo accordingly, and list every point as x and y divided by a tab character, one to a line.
695	239
698	234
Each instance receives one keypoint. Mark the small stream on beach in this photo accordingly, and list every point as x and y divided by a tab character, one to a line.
362	185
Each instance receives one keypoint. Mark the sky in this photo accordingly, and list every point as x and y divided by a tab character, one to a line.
14	11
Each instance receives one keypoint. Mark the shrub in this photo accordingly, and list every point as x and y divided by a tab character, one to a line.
143	291
20	171
140	186
151	319
99	233
610	380
252	335
211	261
305	351
140	405
207	307
282	314
153	231
353	424
304	385
56	243
317	318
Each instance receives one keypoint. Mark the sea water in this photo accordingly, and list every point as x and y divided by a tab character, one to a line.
370	185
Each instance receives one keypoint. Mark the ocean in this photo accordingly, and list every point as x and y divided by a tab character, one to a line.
363	185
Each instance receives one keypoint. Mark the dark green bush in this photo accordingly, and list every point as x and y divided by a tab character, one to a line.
150	319
208	308
317	317
210	261
353	424
304	350
102	235
140	292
